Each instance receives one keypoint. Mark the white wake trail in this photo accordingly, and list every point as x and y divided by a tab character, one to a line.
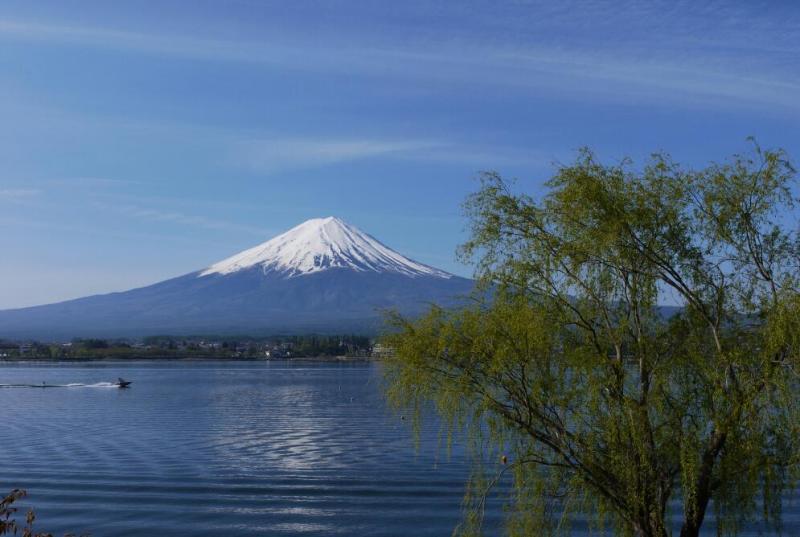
70	385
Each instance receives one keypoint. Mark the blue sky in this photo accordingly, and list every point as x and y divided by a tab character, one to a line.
143	140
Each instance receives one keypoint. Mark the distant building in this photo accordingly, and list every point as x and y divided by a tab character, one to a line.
381	351
277	353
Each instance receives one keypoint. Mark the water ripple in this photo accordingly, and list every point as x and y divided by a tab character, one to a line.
207	448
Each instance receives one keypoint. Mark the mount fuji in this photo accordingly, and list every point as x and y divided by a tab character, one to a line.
322	276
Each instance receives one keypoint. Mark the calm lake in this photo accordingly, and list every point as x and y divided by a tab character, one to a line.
229	448
223	448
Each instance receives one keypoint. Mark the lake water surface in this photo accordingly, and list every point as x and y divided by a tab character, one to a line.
229	448
222	448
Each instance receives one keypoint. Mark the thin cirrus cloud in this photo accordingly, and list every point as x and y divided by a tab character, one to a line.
608	72
18	194
274	155
150	214
91	182
280	154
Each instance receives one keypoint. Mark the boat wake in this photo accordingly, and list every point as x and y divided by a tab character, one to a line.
71	385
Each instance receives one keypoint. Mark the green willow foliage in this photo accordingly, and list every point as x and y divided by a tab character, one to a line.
8	524
603	404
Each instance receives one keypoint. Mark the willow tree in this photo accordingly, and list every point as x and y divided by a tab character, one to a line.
600	400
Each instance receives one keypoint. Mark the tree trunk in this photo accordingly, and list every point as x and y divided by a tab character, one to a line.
697	513
689	529
650	531
691	526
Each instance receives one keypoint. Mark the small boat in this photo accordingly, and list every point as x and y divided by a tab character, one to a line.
122	383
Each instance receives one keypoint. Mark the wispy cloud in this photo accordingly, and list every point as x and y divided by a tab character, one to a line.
481	158
91	182
125	40
151	214
279	154
18	194
162	45
273	155
609	71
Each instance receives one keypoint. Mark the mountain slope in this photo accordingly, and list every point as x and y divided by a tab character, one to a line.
322	276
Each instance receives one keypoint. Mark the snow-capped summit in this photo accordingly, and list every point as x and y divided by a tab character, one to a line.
320	244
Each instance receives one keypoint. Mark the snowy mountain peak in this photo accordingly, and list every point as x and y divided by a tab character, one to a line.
321	244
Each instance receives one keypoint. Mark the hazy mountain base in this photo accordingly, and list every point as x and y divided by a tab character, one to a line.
247	302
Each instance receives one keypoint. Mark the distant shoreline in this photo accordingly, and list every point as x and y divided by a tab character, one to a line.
191	359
